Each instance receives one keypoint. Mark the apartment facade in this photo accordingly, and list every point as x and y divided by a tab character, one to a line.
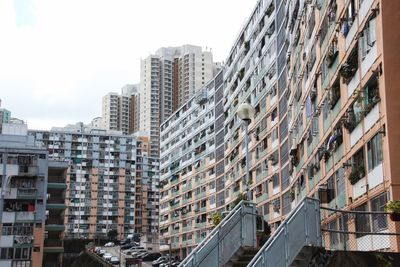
26	202
318	74
187	164
167	80
55	212
111	181
5	116
119	112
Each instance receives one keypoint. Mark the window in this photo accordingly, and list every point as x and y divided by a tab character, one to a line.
368	38
330	185
6	253
374	152
379	221
275	181
21	264
341	188
363	225
274	134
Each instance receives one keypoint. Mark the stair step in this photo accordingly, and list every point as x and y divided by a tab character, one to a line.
240	263
246	257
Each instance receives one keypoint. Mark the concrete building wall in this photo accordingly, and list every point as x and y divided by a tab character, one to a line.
320	78
105	171
24	170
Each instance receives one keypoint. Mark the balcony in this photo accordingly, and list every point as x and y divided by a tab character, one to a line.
57	185
55	225
53	246
201	225
187	187
56	204
187	228
23	240
25	216
26	193
187	242
175	193
262	197
261	176
28	170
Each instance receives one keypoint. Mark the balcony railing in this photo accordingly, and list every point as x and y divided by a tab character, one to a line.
53	243
54	200
25	216
358	230
26	192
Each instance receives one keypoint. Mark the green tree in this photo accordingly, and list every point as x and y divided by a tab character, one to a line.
112	234
216	219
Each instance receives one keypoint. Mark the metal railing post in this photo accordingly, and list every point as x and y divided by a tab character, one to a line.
343	234
306	223
286	246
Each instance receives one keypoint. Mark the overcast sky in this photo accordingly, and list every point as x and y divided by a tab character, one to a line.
59	57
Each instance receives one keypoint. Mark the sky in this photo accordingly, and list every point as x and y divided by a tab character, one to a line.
59	57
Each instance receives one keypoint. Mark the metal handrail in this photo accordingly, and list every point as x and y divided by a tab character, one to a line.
357	233
236	209
282	227
356	211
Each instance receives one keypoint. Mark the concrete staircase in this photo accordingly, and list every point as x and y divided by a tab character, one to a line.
242	257
304	257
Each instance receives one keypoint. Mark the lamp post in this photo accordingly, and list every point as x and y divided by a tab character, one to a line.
246	112
120	254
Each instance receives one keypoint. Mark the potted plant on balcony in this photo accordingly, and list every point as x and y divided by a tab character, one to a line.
357	172
393	208
216	219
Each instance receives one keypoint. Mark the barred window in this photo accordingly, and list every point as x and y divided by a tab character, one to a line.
374	152
363	225
379	221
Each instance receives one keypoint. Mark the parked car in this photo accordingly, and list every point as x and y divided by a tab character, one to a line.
109	244
97	250
114	260
102	252
161	260
143	254
128	246
157	262
135	250
137	254
151	256
107	256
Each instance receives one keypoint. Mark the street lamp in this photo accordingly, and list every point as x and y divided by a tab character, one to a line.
120	254
245	112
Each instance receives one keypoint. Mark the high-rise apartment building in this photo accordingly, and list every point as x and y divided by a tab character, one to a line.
134	115
55	213
5	116
319	75
111	181
188	170
31	213
119	111
110	111
167	80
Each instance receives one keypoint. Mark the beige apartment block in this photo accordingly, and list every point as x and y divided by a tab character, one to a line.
321	76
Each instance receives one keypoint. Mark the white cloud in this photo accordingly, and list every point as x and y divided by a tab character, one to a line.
57	69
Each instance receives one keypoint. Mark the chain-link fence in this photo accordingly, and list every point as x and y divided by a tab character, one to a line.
359	230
